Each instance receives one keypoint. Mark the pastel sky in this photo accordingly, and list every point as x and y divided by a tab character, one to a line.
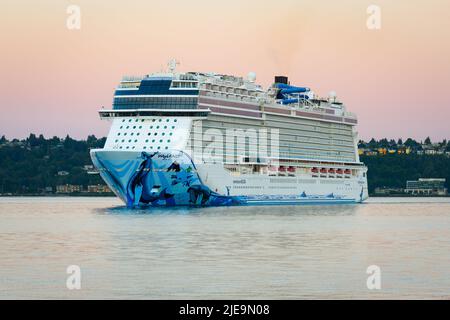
397	79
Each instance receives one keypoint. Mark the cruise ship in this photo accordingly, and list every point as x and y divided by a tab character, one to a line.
208	139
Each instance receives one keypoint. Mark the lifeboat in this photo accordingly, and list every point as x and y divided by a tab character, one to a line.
347	171
315	170
282	169
323	170
331	170
339	171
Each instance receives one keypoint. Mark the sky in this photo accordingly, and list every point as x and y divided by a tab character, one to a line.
53	80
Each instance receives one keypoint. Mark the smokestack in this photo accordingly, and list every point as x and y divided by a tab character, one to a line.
281	79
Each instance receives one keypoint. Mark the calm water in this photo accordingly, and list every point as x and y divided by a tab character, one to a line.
211	253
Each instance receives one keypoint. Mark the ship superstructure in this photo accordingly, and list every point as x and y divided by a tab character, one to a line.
210	139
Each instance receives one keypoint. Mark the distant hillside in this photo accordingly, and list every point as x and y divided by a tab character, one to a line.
31	165
392	170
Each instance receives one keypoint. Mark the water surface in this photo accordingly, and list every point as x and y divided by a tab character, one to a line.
275	252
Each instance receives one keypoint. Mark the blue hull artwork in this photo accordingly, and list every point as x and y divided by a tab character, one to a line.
144	179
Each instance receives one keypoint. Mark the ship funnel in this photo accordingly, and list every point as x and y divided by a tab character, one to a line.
281	79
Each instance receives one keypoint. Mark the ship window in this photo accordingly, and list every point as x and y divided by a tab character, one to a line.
159	148
137	133
132	133
129	140
121	127
128	147
135	140
160	141
168	141
137	120
140	127
163	134
127	127
142	120
146	140
153	120
153	140
134	127
171	133
123	140
167	120
175	120
123	120
167	148
165	127
133	147
156	133
173	127
149	133
117	140
145	147
129	120
160	120
118	134
125	134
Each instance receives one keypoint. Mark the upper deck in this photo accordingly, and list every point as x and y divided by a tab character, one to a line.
224	95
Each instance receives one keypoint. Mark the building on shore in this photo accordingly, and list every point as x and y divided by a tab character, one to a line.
68	188
98	188
435	187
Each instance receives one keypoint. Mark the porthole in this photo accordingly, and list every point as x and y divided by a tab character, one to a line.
153	140
167	120
129	140
160	120
123	120
128	147
167	148
146	140
137	120
173	127
163	134
160	140
132	133
135	140
137	133
168	141
156	133
123	140
133	147
127	127
120	148
142	120
159	148
140	127
118	134
151	127
145	147
175	120
171	133
117	140
157	127
121	127
153	120
165	127
134	127
149	133
129	120
125	134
